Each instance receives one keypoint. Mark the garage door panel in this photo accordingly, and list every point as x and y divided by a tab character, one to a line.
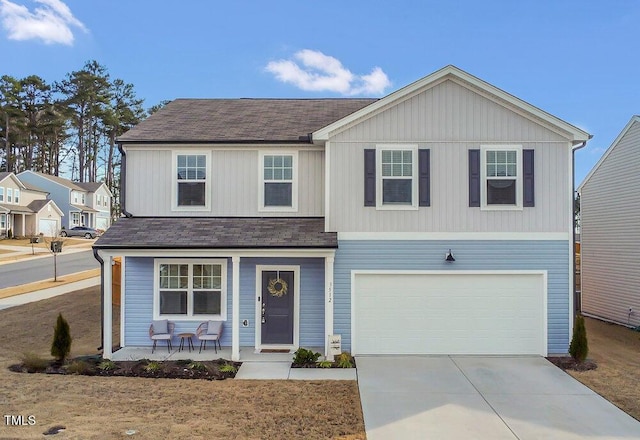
449	314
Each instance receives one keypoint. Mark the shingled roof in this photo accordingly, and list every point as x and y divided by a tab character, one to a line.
217	233
241	120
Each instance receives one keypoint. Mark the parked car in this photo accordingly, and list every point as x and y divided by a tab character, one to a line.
79	231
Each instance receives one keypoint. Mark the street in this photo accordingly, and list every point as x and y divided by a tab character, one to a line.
29	271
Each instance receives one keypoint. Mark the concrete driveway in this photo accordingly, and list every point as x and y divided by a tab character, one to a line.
470	397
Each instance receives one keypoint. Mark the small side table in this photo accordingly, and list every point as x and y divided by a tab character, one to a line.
189	338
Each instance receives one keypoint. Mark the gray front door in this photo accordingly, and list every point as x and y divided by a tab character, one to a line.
277	307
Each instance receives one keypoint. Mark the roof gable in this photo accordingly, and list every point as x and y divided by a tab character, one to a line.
452	73
634	120
57	180
9	175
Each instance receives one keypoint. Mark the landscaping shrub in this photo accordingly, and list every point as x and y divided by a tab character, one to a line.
79	367
61	345
153	367
34	363
107	365
227	368
579	348
325	364
302	356
345	360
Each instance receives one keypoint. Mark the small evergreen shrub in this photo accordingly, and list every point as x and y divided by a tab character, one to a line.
153	367
34	363
198	366
302	356
107	365
579	348
227	368
344	360
325	364
61	345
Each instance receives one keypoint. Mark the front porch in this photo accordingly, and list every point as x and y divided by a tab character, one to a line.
247	354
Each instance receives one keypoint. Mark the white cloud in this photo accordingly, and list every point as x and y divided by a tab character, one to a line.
50	22
314	71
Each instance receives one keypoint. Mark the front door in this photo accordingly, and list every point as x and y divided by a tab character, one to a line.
277	308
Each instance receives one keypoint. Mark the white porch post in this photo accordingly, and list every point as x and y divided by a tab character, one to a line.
328	304
24	219
107	342
235	310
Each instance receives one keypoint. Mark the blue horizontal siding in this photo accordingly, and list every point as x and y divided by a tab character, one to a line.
552	256
138	312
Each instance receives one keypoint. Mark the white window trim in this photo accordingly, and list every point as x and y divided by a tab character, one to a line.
414	177
2	191
9	195
73	219
3	221
189	316
16	196
294	181
483	177
75	197
174	181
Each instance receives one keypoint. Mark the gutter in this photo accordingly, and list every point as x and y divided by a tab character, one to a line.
101	261
576	304
123	187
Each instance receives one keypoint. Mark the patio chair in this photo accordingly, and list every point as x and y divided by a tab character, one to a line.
209	331
161	331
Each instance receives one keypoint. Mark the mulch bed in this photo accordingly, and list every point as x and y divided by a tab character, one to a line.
569	363
94	366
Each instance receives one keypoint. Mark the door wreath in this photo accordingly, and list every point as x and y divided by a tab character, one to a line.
277	287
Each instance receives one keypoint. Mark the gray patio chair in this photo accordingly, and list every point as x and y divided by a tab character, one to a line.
209	331
161	331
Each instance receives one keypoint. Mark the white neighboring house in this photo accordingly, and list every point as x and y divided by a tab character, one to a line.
78	200
610	231
25	209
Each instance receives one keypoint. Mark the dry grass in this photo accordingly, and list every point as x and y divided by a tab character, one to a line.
107	407
616	349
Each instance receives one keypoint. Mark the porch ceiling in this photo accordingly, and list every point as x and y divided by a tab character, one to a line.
217	233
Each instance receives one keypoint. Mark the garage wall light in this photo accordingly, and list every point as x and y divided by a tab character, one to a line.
449	257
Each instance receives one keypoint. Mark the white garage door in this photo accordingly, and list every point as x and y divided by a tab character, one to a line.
449	313
48	227
102	223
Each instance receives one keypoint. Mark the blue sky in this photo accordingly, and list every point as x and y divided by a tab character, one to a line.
577	60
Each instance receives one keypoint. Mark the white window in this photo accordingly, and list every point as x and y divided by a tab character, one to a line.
190	181
190	289
397	176
98	200
82	200
75	219
16	196
75	196
105	201
3	221
1	194
501	177
9	195
278	186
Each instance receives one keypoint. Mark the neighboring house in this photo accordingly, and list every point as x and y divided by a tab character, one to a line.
436	220
610	231
84	204
25	210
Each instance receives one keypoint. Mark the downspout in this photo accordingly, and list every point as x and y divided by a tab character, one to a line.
123	187
101	261
576	304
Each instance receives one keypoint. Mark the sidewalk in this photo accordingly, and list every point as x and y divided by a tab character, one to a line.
39	295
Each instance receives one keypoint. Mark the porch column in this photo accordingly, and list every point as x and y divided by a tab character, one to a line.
235	310
328	303
107	341
24	219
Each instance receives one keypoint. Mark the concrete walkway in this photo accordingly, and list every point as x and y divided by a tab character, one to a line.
39	295
458	397
282	371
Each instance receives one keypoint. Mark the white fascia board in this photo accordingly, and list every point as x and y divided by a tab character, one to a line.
634	119
574	134
219	253
458	236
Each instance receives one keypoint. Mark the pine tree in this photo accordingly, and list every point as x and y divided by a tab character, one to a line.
61	345
579	347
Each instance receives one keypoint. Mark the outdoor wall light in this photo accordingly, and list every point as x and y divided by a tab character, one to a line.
449	257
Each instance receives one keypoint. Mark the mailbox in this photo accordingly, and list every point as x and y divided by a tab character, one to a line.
35	240
56	247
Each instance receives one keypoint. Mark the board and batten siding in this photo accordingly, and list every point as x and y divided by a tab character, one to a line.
311	298
449	119
234	177
610	234
552	256
138	304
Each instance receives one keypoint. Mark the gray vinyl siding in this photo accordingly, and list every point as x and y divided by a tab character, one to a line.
610	234
552	256
139	300
449	120
60	194
234	177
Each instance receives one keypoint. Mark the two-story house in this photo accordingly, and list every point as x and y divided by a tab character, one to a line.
437	219
25	209
83	204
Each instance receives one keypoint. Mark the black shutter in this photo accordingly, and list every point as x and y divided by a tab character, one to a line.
528	185
424	171
474	178
369	177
